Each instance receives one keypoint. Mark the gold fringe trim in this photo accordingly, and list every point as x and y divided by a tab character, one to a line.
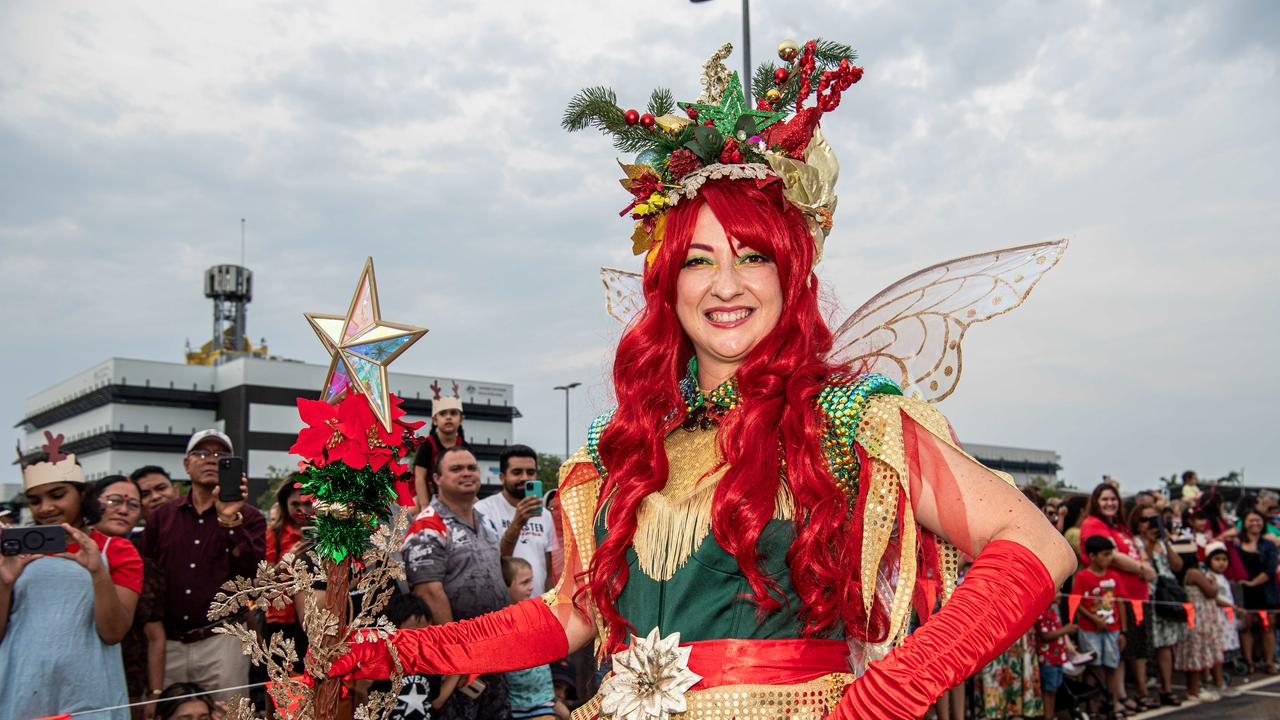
667	533
673	523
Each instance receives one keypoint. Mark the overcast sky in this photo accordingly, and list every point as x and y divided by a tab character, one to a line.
134	136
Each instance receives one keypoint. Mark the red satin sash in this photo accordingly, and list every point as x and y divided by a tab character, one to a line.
765	662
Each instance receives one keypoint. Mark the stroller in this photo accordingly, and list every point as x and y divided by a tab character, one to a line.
1077	692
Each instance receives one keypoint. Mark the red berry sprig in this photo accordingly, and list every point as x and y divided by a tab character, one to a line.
631	116
647	121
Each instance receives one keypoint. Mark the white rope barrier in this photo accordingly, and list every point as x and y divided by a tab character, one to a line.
202	693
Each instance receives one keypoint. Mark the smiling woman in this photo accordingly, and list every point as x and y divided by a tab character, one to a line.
728	296
754	522
64	615
120	503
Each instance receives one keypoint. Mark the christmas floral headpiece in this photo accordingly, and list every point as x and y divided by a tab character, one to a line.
722	137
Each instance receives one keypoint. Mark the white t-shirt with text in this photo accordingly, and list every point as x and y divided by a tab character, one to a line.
536	539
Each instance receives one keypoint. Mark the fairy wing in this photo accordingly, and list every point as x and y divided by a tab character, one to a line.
623	293
912	330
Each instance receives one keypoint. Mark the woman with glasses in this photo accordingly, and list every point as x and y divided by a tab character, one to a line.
63	614
1165	629
142	649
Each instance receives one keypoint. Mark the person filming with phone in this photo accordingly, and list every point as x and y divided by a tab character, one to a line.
67	597
205	538
517	514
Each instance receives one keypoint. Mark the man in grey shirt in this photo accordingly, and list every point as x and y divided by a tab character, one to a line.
453	562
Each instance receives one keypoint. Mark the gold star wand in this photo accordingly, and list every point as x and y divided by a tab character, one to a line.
361	345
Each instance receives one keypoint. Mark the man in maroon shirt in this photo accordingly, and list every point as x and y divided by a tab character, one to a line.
199	542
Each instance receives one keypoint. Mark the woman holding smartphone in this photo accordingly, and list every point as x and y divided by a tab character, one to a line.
63	614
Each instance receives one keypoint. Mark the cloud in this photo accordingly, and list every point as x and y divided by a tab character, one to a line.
427	135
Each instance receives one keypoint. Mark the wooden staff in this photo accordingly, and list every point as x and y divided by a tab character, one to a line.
336	597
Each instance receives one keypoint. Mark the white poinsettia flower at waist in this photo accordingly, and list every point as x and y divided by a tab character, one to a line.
649	679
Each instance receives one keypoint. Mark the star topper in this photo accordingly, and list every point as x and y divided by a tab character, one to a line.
362	345
733	108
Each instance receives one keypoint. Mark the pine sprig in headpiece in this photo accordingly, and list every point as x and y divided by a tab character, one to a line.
723	137
827	57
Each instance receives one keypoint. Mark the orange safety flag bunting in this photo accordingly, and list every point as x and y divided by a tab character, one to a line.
1137	611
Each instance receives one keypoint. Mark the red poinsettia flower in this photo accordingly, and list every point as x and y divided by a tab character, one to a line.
351	434
321	419
335	433
356	422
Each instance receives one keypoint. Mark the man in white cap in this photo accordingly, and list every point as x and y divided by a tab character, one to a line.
446	432
199	542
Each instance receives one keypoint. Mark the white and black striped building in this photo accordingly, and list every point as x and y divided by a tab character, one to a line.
1024	464
122	414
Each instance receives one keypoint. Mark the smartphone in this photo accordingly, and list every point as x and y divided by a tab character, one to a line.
533	488
34	540
230	473
473	689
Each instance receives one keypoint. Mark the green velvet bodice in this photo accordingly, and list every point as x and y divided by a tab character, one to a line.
709	598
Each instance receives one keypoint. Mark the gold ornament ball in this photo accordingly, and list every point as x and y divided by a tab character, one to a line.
773	95
788	50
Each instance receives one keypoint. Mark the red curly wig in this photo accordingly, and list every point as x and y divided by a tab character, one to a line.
779	382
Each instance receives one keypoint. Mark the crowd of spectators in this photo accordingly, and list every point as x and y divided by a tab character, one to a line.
1176	599
1174	592
138	639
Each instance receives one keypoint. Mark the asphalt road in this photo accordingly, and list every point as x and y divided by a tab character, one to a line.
1260	701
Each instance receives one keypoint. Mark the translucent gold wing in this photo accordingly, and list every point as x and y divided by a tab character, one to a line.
623	293
912	330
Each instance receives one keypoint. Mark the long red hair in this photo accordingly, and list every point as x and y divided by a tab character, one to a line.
779	382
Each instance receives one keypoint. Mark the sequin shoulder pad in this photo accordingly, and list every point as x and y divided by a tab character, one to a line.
842	404
593	440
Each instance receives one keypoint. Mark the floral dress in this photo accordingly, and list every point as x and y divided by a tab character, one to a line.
1202	647
1011	683
1164	632
1230	635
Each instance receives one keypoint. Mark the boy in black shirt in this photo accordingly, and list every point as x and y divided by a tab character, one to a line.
420	695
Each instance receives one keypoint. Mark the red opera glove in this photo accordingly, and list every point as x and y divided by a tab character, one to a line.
1002	595
516	637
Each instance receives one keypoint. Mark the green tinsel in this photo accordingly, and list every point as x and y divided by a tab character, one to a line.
366	494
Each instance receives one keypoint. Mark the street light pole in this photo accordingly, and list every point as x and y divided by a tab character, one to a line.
566	389
746	48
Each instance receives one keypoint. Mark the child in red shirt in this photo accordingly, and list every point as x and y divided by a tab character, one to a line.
1099	615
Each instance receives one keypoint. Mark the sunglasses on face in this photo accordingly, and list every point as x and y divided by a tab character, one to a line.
118	500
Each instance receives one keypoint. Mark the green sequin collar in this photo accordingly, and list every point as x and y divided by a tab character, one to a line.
725	397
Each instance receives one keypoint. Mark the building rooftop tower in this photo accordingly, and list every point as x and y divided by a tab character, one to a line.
231	289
